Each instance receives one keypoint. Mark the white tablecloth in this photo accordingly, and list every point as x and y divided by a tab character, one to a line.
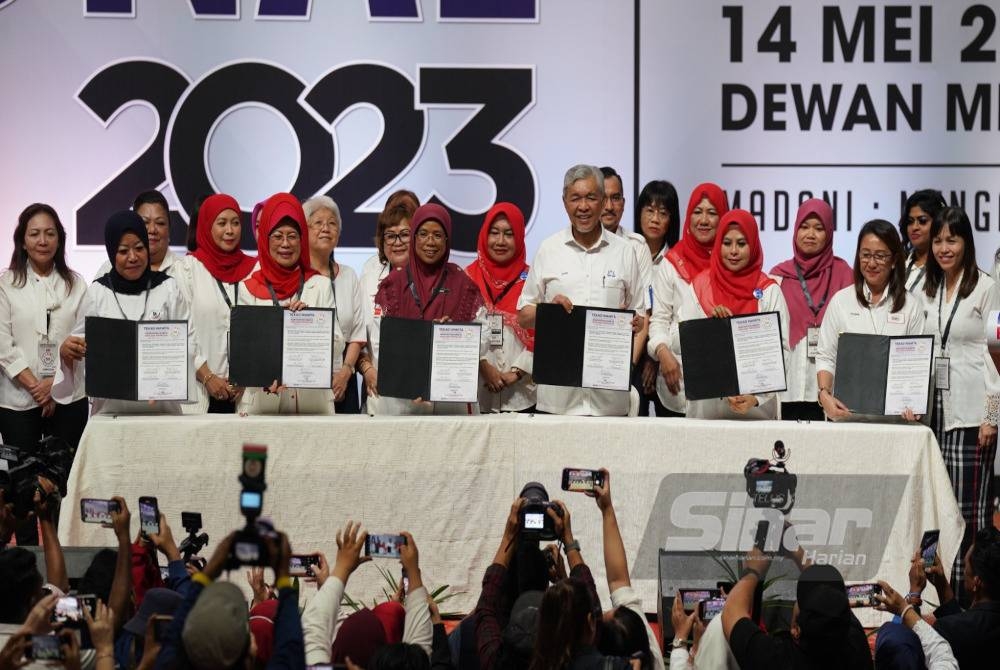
450	480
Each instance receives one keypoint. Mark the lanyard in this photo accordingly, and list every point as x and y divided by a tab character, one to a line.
947	328
274	296
333	290
920	275
225	296
809	299
494	301
149	283
438	289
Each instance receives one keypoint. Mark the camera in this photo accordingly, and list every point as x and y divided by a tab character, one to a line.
769	483
19	472
250	545
194	542
536	525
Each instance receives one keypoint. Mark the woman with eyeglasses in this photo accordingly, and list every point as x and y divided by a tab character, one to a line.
958	298
915	222
392	246
808	280
286	279
876	304
431	289
323	217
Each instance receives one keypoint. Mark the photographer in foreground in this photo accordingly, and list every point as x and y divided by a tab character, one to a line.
319	620
210	628
824	633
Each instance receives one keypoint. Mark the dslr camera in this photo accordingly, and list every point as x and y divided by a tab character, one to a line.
19	471
536	525
250	545
769	483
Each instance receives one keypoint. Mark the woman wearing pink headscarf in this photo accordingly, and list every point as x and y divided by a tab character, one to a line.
808	280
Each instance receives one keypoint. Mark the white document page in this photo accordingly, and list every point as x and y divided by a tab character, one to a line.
907	383
307	349
607	350
760	361
455	362
162	360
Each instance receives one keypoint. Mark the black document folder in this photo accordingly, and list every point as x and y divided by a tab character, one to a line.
863	368
405	357
112	361
708	358
255	339
559	343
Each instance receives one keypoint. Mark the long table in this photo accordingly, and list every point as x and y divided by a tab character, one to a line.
450	480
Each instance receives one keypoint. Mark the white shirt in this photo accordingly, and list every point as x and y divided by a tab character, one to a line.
667	291
23	326
973	377
164	303
625	596
316	292
210	314
938	654
372	274
348	302
915	275
768	405
845	315
801	371
644	259
511	354
605	275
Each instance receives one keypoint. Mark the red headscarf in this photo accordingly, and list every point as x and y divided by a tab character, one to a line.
493	279
227	266
285	281
689	256
262	617
825	274
442	289
392	616
358	638
738	291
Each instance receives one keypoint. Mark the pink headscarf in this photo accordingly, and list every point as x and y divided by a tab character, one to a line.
825	274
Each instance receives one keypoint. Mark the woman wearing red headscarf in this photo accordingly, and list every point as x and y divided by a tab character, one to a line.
687	259
733	285
428	288
499	271
285	278
213	273
808	280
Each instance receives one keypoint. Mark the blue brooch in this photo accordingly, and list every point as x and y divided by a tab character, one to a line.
758	293
524	275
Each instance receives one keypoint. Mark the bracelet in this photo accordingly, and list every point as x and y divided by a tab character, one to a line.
913	594
751	571
201	578
678	643
100	656
902	615
574	545
208	378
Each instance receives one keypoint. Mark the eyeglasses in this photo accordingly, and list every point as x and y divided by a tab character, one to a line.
876	259
317	225
507	234
281	238
656	211
402	237
437	235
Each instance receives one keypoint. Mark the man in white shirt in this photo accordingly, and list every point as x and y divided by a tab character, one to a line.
584	265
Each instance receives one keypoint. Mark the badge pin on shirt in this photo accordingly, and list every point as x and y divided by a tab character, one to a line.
758	293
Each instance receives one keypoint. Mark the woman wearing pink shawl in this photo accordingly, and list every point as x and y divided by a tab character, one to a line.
808	280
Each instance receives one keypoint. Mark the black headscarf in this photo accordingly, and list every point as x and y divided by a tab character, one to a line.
120	223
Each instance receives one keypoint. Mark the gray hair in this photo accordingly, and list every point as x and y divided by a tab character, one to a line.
312	205
584	171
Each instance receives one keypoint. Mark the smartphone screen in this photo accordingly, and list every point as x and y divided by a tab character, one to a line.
863	595
149	515
96	510
68	612
384	546
300	565
929	547
580	480
711	608
691	597
44	648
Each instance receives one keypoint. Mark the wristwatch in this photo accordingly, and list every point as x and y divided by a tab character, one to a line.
678	643
575	544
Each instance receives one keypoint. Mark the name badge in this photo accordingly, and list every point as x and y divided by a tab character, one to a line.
812	341
495	325
48	356
896	318
942	375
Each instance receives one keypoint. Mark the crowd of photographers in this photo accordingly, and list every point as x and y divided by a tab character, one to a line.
538	608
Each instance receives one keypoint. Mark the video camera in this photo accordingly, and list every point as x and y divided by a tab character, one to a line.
249	545
535	524
769	483
194	542
19	472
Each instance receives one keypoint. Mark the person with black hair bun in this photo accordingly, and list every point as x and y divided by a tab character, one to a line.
919	212
958	298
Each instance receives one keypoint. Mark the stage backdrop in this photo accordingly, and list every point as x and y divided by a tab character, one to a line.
470	101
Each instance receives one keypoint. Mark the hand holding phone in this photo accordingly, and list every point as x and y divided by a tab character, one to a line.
44	648
97	510
301	565
691	597
711	608
863	595
384	545
929	547
579	480
149	516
